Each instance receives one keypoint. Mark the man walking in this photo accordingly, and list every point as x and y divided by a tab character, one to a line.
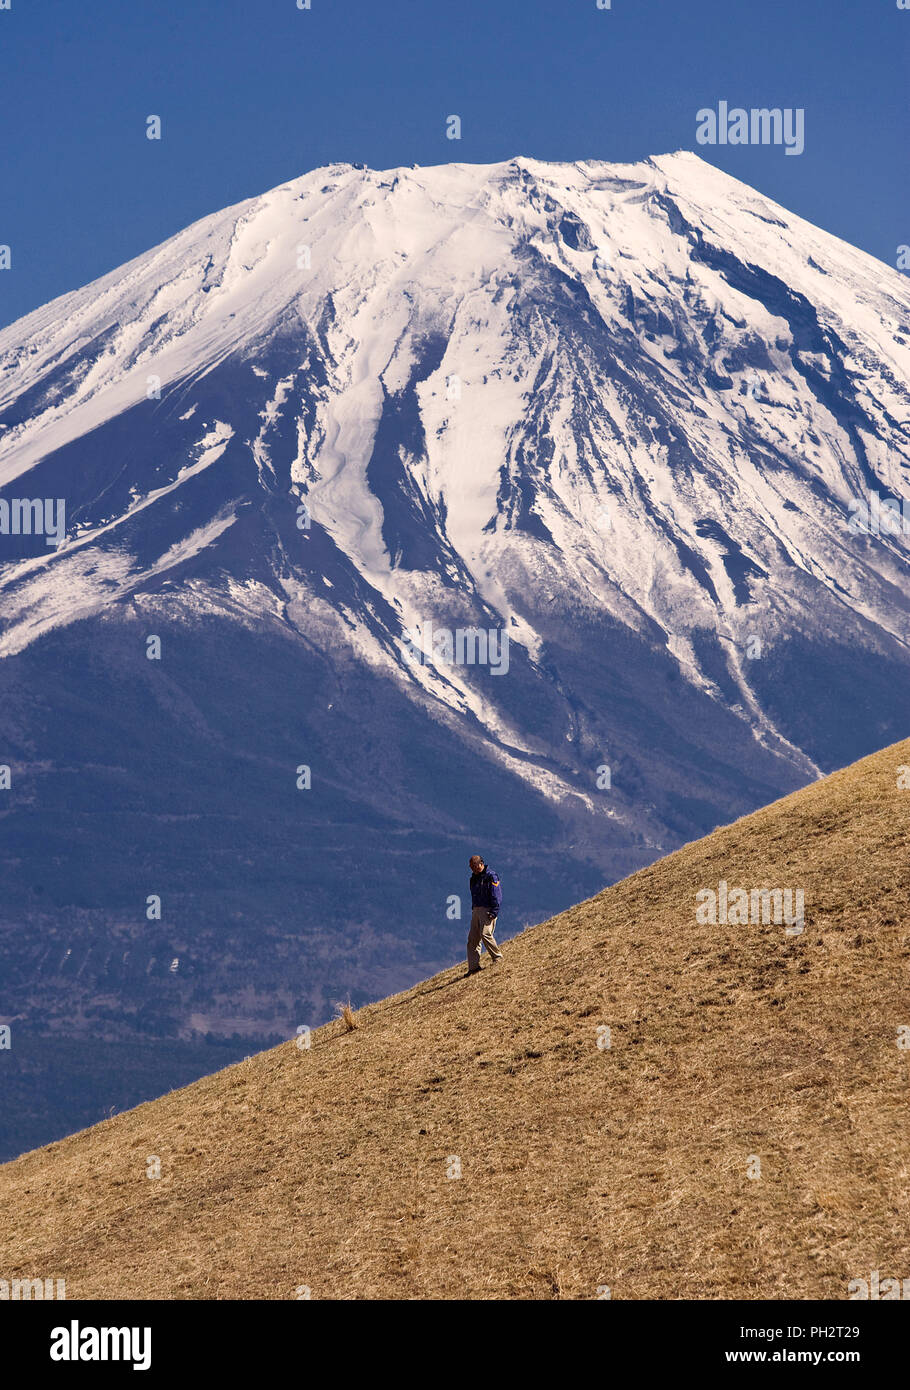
486	900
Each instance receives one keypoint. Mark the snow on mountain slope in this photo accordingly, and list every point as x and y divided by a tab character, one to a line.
608	420
644	390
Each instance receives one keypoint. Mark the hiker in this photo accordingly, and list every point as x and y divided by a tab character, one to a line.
486	900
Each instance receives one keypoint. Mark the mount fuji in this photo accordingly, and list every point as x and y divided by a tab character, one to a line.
614	420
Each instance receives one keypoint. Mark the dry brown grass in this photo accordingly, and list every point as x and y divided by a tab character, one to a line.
348	1017
580	1167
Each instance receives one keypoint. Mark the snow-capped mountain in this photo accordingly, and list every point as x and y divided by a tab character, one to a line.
620	421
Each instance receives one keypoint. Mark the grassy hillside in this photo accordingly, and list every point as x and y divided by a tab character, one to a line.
581	1166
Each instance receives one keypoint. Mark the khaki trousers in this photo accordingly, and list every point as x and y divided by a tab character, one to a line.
481	933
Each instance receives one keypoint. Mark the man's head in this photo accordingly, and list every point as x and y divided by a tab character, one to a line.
476	863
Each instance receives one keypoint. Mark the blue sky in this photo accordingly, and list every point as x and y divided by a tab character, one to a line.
254	92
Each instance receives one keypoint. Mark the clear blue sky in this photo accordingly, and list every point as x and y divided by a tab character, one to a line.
254	92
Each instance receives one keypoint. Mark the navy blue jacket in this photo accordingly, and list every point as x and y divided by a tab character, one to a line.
486	890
